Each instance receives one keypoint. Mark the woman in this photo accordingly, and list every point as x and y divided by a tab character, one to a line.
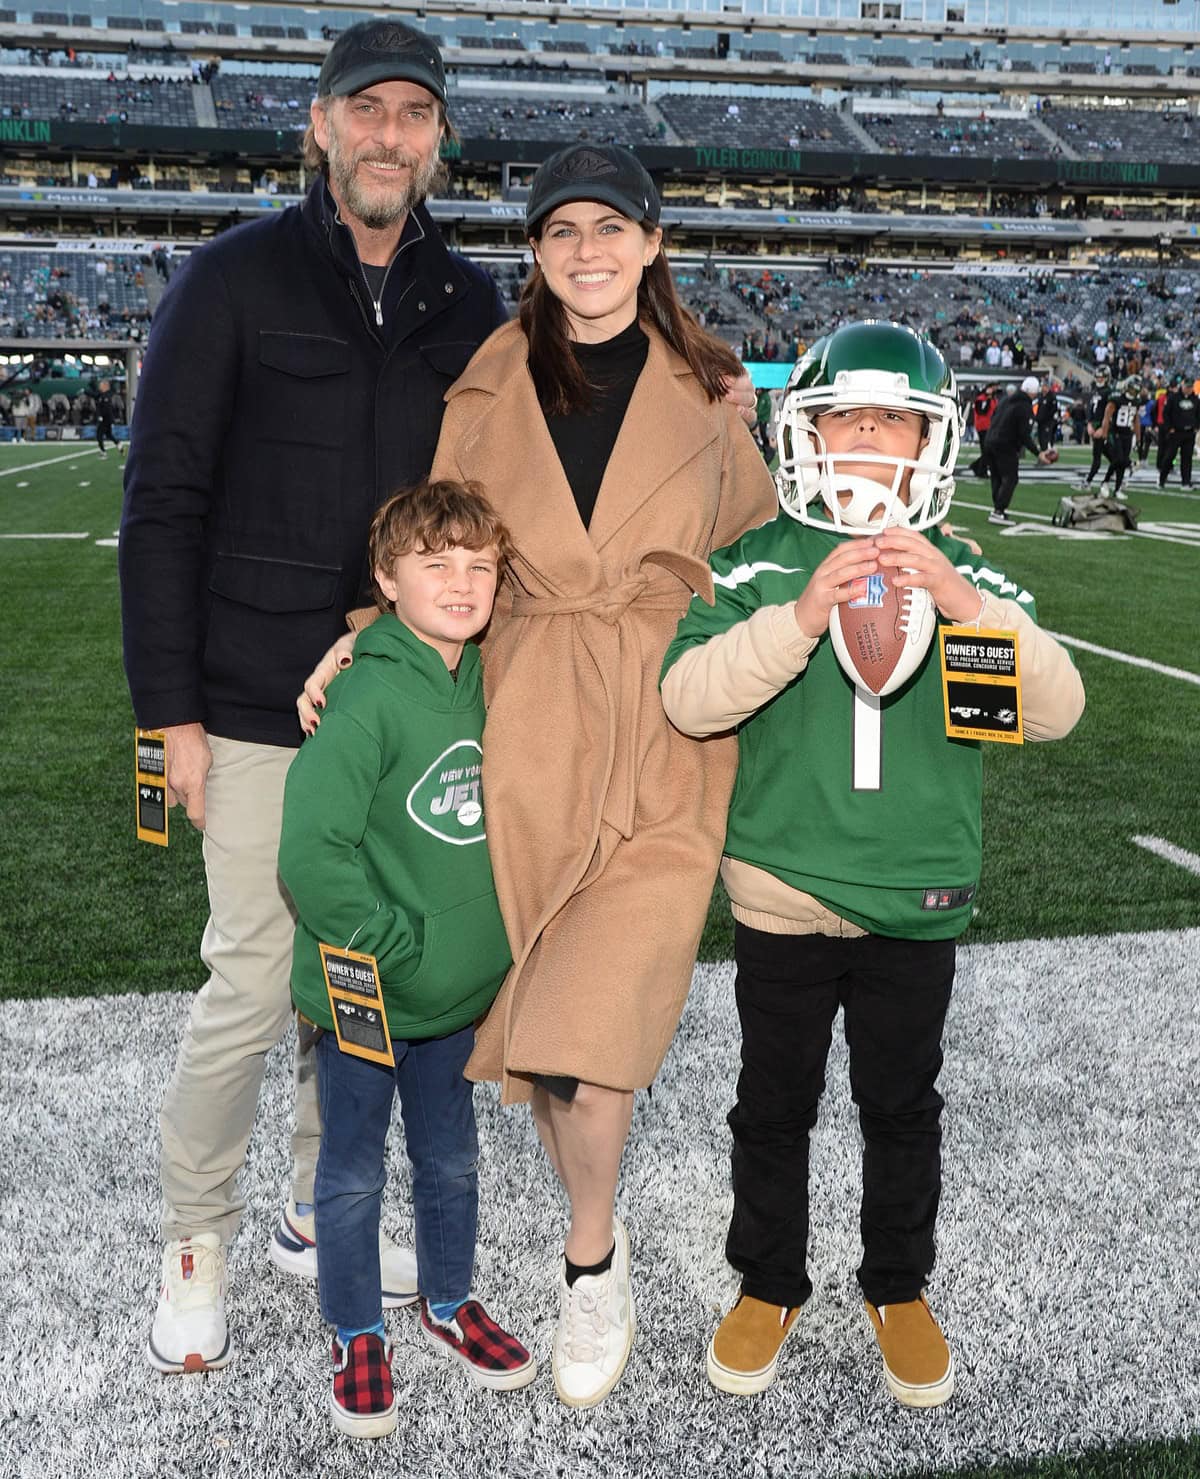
596	426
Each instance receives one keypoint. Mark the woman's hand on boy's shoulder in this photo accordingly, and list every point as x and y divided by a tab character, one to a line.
312	700
912	560
741	395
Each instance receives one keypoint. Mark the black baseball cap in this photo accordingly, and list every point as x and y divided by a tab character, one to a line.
604	172
381	51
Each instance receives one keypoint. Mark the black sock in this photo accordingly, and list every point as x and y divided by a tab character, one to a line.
577	1270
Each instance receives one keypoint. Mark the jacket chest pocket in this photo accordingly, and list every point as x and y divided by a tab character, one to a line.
302	388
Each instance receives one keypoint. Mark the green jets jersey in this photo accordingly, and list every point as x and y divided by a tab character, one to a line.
890	841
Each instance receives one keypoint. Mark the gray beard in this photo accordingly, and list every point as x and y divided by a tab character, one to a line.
379	212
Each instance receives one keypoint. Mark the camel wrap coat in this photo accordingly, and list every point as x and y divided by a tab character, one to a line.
605	824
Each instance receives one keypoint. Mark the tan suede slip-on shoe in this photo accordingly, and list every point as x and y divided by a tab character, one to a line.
917	1364
744	1351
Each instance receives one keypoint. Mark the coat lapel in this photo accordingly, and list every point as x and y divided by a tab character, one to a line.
537	504
663	429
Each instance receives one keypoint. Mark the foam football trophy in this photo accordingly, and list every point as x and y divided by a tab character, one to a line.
881	637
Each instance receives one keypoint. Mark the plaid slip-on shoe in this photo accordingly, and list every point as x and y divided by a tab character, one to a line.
917	1364
492	1356
362	1401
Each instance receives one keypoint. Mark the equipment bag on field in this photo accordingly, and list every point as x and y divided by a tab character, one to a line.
1087	511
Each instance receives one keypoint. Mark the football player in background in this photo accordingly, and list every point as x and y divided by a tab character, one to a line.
853	849
1118	427
1097	400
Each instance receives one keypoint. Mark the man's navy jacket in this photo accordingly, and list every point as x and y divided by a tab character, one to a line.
273	417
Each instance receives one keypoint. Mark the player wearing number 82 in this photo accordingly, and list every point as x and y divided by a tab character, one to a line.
853	848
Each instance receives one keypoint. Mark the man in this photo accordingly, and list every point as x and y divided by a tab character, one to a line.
1119	427
104	415
1097	400
1047	416
1010	431
983	408
26	410
1178	431
294	378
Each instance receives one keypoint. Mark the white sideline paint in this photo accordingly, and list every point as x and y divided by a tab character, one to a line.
44	536
1134	662
1024	524
50	461
1163	849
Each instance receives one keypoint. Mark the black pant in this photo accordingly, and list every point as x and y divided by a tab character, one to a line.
894	995
1120	457
980	466
1184	443
1097	456
1045	436
104	432
1005	470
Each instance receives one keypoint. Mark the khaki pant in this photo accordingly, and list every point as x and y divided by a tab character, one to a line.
243	1009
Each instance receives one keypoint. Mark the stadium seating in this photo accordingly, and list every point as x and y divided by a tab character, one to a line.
1133	133
536	118
754	122
89	99
73	295
979	137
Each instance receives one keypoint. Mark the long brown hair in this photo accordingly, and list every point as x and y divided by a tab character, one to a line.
561	385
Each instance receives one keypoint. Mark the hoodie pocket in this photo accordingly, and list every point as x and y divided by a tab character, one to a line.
464	956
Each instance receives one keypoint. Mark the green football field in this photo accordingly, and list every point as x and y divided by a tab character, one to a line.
89	910
1097	834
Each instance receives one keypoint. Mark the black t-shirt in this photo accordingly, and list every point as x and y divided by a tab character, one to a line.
584	439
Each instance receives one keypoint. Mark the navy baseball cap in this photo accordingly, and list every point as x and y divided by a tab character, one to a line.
604	172
381	51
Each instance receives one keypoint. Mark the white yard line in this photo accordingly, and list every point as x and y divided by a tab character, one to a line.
1126	657
44	536
1163	849
50	461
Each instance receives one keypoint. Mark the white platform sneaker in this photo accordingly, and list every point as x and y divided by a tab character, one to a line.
189	1331
595	1329
293	1250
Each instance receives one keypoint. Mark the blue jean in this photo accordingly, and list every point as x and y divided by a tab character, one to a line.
439	1129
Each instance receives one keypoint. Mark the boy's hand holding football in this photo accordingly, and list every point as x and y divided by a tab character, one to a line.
837	578
911	560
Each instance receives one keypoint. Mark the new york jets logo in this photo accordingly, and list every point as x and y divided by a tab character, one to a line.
391	38
586	165
448	799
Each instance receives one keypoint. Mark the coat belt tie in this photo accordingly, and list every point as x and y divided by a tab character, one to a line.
621	696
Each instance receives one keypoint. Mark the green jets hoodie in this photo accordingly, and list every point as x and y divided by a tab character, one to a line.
383	846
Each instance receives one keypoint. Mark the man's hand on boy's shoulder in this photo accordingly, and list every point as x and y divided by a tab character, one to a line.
912	560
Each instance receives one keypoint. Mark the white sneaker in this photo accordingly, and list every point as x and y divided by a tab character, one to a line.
595	1329
189	1331
293	1250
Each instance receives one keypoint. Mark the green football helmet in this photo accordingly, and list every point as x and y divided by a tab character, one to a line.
1132	387
872	363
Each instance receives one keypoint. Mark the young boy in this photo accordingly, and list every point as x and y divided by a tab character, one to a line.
853	847
384	852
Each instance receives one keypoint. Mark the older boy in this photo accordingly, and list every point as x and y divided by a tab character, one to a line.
853	848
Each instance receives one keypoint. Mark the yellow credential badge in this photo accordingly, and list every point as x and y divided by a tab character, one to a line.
981	684
150	785
356	1004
